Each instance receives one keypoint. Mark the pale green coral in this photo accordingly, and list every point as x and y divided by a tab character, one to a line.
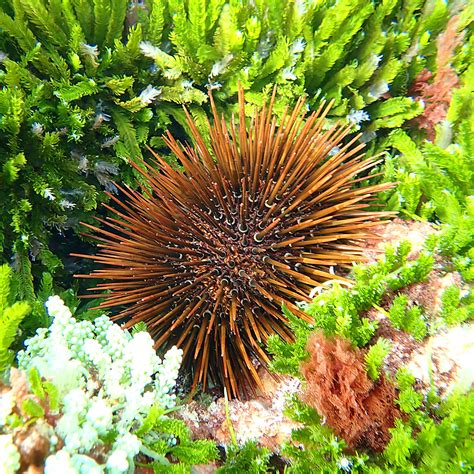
9	455
106	382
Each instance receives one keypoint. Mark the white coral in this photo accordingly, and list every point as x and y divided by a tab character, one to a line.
9	455
106	379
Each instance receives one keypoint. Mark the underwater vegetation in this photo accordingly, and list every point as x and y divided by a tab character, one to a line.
358	410
238	165
86	84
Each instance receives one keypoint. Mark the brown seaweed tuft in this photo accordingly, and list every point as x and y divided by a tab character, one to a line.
357	409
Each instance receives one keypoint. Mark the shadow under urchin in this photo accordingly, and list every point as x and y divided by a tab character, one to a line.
207	256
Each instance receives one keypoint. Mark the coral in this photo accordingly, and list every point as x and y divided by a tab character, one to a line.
338	386
83	390
10	457
206	257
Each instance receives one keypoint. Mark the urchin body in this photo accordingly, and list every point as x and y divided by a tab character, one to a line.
207	256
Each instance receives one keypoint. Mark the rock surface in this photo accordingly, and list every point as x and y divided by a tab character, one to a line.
259	419
446	359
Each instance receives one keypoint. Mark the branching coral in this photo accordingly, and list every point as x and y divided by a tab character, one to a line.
88	387
206	257
338	386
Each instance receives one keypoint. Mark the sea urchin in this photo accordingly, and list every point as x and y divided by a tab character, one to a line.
207	256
